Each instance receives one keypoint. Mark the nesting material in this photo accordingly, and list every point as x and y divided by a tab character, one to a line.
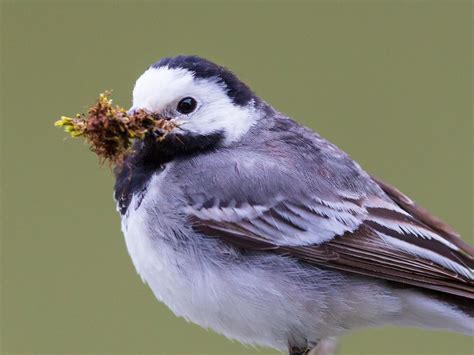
109	130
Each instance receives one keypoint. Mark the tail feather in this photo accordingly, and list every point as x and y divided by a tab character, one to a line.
437	311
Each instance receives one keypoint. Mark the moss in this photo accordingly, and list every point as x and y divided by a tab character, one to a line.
110	130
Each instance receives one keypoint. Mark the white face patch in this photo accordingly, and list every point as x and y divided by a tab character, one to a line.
159	90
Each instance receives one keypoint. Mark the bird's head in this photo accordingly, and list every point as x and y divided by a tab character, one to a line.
207	102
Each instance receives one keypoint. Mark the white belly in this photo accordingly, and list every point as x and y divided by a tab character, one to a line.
237	303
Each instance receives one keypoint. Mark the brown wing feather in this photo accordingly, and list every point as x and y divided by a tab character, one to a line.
364	253
425	217
365	248
360	252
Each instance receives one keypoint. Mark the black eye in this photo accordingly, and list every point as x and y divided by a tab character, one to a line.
186	105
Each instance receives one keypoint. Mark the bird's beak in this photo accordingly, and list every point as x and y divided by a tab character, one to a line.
163	124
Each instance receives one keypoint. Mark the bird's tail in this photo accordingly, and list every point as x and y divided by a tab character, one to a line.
437	311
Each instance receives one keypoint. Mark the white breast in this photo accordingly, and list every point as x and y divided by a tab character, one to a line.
236	303
155	260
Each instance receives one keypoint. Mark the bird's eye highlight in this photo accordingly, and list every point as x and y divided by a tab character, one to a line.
186	105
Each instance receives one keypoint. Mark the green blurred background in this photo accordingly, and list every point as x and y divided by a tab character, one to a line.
389	82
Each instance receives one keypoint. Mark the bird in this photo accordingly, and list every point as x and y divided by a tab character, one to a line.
245	222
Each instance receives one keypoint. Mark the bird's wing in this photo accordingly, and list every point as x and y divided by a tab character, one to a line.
386	237
424	216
